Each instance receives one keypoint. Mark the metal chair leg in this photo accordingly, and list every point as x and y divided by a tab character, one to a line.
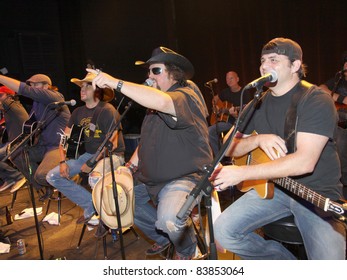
81	236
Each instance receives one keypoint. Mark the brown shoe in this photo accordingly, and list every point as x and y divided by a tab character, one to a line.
101	231
157	249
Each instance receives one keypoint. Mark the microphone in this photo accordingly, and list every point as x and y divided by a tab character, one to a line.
268	77
214	81
148	82
4	71
72	102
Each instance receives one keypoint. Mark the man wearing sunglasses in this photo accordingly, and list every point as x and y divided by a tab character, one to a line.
44	155
172	152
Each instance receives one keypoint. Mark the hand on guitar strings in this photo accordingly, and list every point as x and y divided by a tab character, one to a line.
222	178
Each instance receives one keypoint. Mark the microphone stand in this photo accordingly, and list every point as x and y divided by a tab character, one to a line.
23	143
205	185
92	162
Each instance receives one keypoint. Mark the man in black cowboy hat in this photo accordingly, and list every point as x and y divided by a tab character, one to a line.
95	119
172	152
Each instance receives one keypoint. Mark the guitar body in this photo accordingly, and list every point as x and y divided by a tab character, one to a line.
264	188
74	144
28	127
339	106
220	112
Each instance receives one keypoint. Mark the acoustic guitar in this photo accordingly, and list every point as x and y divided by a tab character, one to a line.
27	128
265	188
220	111
73	144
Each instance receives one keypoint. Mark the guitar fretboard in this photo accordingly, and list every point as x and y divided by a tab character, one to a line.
303	192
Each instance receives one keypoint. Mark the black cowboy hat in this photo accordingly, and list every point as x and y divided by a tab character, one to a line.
165	55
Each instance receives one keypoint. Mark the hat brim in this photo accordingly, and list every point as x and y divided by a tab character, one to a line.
167	56
105	206
108	92
176	59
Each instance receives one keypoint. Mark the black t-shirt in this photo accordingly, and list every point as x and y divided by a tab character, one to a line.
341	86
107	116
316	115
171	149
235	99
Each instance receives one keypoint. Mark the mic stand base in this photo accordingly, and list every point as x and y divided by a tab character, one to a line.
115	196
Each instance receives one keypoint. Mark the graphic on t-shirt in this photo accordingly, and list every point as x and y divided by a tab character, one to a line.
85	122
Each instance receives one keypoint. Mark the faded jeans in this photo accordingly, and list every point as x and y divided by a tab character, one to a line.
69	188
161	224
234	229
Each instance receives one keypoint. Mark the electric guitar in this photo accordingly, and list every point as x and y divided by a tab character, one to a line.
265	189
73	144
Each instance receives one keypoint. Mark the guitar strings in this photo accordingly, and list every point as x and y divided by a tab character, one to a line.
299	189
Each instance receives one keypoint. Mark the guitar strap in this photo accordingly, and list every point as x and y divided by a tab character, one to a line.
290	126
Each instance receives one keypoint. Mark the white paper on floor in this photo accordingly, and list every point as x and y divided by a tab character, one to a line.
51	218
27	213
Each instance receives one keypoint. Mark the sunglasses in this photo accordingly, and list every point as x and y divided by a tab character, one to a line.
155	70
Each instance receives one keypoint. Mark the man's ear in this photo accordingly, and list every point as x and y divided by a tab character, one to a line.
296	65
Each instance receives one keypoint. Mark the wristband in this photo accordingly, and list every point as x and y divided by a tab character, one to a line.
132	167
119	86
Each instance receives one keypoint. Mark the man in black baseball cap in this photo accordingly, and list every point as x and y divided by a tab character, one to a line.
295	124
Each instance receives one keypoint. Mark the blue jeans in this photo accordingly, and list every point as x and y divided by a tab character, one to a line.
214	132
161	224
69	188
324	238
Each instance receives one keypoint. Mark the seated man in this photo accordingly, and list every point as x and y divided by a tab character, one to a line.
172	152
14	115
96	117
44	154
296	125
226	107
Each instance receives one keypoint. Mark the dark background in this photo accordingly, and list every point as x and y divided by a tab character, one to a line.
59	38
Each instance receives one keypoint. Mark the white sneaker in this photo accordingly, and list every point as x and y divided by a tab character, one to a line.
18	185
6	185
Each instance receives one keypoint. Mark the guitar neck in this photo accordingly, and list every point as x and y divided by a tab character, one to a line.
309	195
